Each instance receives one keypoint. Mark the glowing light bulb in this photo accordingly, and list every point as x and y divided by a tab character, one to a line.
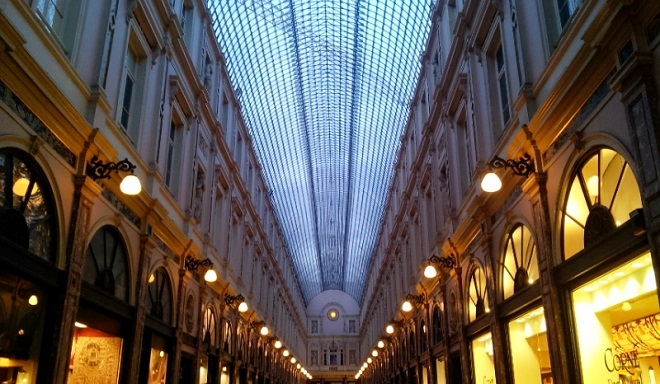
242	307
430	272
33	300
406	306
491	183
130	185
210	276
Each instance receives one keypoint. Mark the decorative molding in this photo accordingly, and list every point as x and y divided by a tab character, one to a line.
23	111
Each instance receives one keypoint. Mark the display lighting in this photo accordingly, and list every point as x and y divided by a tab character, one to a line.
192	264
130	185
524	166
448	262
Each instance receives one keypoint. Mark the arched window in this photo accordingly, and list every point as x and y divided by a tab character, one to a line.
159	296
105	264
477	297
209	328
423	345
27	209
411	343
227	338
519	264
437	325
601	195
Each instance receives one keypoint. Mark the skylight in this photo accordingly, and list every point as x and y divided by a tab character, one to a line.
325	88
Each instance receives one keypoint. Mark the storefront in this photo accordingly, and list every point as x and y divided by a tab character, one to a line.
30	283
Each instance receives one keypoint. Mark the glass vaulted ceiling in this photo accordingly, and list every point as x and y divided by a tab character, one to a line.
325	87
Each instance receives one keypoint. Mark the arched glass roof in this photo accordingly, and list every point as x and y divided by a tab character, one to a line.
325	87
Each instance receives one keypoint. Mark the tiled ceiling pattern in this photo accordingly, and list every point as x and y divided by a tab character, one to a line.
325	87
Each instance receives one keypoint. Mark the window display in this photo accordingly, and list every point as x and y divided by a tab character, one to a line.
617	320
95	356
528	343
482	359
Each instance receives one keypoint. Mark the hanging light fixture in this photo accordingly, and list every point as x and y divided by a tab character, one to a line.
524	166
130	185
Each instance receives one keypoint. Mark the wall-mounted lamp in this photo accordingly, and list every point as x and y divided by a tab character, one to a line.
193	264
130	185
242	305
394	323
521	167
411	299
448	262
263	330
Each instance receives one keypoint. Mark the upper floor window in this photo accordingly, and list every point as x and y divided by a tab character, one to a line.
133	89
502	85
601	195
61	18
566	9
174	148
26	204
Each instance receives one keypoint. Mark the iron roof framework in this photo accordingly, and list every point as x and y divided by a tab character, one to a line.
325	88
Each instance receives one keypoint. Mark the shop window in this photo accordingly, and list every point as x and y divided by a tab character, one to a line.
26	205
602	193
528	343
22	307
617	324
96	348
482	359
477	298
105	263
519	264
159	296
158	361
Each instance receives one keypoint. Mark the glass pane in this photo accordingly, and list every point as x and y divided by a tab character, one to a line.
617	321
95	356
157	367
520	266
312	77
105	263
528	343
482	359
27	194
607	180
22	308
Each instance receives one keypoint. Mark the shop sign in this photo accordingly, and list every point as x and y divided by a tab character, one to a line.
616	362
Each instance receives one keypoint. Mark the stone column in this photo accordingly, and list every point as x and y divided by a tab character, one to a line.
141	287
84	194
535	189
181	313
